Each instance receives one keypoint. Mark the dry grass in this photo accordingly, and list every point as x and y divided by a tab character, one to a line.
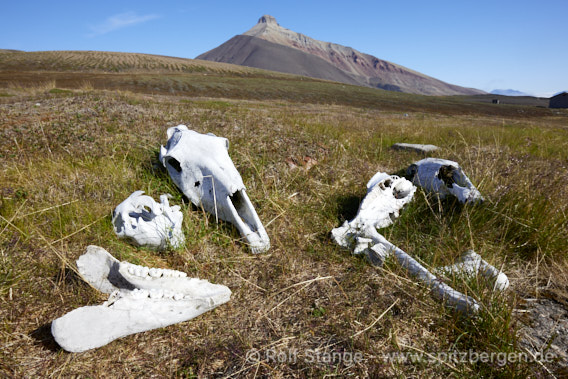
69	158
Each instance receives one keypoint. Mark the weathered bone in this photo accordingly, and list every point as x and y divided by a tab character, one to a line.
141	299
200	166
471	264
440	290
145	222
443	177
386	195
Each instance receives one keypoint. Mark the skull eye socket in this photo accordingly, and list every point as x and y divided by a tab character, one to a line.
446	174
174	163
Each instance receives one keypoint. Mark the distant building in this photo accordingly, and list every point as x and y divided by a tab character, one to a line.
559	101
495	101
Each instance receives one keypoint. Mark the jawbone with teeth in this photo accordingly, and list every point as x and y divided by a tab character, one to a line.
141	299
199	164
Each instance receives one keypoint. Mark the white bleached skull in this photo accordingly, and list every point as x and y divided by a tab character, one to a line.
145	222
199	164
141	299
443	177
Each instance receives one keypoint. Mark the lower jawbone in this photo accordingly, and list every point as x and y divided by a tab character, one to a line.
141	299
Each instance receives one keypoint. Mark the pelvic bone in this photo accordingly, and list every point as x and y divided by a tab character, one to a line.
386	195
141	299
147	223
443	177
200	166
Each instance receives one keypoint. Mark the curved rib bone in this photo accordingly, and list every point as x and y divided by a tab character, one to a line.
200	166
443	177
147	223
141	299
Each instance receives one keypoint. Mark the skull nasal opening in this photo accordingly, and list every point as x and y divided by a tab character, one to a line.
174	163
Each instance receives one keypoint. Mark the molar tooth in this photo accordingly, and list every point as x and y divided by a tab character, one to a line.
155	273
156	294
131	270
139	293
182	274
145	271
168	294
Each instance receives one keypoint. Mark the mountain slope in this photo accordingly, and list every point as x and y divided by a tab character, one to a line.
281	53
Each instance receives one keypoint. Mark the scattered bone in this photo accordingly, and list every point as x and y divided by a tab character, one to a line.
471	264
145	222
135	304
200	166
418	148
443	177
386	195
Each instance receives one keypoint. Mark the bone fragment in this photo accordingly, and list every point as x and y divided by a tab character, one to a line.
145	222
471	264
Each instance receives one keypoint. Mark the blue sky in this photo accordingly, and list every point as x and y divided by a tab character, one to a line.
519	45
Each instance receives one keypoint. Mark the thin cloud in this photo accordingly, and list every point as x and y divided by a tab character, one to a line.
119	21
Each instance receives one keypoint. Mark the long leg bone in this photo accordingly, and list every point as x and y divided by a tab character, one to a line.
147	223
200	166
386	195
443	177
440	290
141	299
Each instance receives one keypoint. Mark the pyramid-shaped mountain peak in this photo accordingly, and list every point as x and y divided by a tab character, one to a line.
270	46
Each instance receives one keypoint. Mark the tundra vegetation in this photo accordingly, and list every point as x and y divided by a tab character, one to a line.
82	131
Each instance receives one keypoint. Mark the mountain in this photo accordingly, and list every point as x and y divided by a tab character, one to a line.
269	46
508	92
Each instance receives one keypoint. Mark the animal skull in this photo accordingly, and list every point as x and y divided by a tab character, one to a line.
141	299
443	177
200	166
147	223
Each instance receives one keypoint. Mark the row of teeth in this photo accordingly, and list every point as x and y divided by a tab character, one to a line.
138	293
149	273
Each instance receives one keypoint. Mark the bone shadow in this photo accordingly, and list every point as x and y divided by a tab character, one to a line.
44	338
347	207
